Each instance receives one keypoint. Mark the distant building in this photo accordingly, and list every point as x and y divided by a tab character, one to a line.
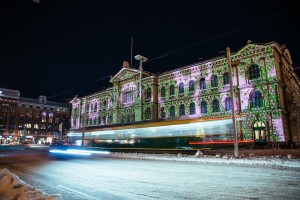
33	120
267	100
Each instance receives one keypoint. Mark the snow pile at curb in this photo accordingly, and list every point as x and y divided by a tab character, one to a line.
14	188
257	161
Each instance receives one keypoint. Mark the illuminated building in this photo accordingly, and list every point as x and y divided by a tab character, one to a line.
267	98
33	120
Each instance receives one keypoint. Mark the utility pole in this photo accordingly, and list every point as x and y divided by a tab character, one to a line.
236	146
141	59
84	122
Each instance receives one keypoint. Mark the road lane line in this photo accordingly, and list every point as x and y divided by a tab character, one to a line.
81	193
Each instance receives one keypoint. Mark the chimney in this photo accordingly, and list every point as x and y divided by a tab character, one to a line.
125	64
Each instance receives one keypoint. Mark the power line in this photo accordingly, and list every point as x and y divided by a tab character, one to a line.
193	45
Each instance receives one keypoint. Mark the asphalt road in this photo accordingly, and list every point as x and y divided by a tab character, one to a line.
109	178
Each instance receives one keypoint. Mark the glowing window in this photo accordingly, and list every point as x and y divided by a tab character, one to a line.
259	129
254	72
128	95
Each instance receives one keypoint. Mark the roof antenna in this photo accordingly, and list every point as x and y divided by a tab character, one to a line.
131	51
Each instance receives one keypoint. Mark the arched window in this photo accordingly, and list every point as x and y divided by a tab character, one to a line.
104	104
172	111
172	90
163	112
202	84
163	92
181	88
128	118
254	72
192	108
148	113
228	104
203	107
216	107
256	100
148	94
91	107
192	86
214	81
226	78
95	107
259	129
181	110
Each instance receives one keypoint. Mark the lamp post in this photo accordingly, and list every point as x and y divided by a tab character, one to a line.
84	121
236	147
141	59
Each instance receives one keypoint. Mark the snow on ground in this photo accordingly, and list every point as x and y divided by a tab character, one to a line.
13	188
217	159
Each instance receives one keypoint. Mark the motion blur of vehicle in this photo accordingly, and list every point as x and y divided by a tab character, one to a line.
176	134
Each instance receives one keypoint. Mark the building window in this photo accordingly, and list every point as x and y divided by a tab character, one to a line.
172	90
202	84
104	105
192	108
148	94
128	95
214	81
148	113
95	108
216	107
203	107
259	129
181	110
254	72
228	104
163	112
192	86
172	111
163	92
226	78
181	88
256	100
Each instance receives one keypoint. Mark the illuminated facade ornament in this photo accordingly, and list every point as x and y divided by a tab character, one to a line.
261	76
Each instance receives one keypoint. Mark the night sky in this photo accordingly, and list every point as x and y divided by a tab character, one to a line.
65	48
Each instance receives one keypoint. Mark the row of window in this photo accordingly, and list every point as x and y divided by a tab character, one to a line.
254	73
256	101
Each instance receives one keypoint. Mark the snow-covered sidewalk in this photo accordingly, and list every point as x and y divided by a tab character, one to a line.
12	188
217	159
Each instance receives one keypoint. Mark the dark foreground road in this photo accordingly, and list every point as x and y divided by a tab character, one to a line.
109	178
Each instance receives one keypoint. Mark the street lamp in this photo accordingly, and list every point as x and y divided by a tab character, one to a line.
236	147
141	59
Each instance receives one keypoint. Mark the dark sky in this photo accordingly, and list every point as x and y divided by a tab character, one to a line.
63	48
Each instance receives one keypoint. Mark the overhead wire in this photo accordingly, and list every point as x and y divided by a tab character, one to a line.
193	45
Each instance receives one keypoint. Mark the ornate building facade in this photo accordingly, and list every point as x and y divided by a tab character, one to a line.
267	96
32	120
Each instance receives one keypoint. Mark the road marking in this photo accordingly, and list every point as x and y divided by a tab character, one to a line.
81	193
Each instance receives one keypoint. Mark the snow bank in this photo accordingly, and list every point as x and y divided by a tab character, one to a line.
218	159
12	187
